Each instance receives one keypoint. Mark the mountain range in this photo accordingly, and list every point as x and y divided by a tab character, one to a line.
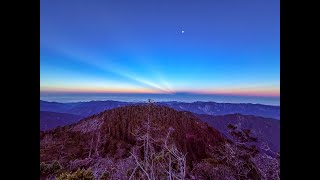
86	109
140	140
217	115
266	130
50	120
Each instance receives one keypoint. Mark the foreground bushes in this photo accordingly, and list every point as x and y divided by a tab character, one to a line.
52	168
80	174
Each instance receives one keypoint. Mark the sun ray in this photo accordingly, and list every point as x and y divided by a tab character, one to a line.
106	65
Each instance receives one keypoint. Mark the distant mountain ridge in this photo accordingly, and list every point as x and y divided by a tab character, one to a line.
50	120
213	108
267	130
86	109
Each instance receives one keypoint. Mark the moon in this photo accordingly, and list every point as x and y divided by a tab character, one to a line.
182	31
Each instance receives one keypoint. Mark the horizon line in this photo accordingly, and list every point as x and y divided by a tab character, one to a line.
271	95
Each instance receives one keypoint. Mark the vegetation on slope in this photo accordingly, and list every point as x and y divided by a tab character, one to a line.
152	142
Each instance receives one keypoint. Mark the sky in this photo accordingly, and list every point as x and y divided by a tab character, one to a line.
160	46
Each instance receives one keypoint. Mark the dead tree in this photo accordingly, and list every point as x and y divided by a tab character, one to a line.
97	144
175	157
166	163
91	144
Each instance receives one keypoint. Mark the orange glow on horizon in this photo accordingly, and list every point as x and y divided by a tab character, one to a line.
267	92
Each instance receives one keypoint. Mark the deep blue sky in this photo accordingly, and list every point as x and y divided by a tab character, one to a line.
228	46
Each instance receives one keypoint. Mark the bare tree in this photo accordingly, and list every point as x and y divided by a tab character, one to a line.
237	160
268	166
91	144
97	144
167	162
175	157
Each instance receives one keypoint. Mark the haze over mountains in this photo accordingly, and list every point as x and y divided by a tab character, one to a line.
213	108
85	109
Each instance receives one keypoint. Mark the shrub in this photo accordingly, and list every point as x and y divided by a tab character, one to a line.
43	168
231	127
104	176
80	174
52	168
55	166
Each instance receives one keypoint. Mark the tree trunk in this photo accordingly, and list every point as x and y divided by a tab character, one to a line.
91	147
97	144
